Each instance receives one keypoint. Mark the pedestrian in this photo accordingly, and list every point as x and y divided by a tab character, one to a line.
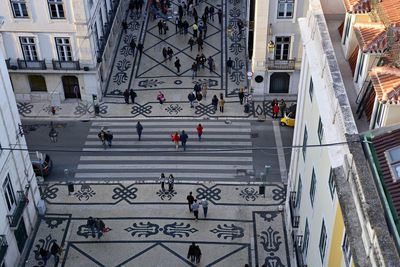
170	53
191	43
55	251
275	111
205	31
133	95
210	62
241	95
197	254
195	28
160	27
191	98
197	87
175	138
184	137
195	208
165	27
102	137
214	102
124	26
45	255
282	107
132	44
240	26
199	97
109	137
180	12
162	181
177	64
220	16
203	60
212	13
176	24
139	130
180	26
126	96
53	135
171	181
186	27
99	225
229	65
165	53
91	224
200	43
204	90
204	204
199	130
160	97
190	200
194	70
192	252
206	11
140	47
221	103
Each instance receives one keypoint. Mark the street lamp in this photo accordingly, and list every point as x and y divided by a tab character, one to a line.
271	46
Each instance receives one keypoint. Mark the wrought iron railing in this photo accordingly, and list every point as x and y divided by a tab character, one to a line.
275	64
294	217
15	217
34	65
298	242
3	247
107	28
66	65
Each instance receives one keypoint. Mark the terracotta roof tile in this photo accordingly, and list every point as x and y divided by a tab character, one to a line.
371	37
390	11
386	82
357	6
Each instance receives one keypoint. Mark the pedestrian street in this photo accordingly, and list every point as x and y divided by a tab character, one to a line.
146	224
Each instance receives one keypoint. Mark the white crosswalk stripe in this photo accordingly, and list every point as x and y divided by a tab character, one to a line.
224	153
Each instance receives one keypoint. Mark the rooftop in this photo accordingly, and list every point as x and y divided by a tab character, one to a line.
357	6
386	81
371	37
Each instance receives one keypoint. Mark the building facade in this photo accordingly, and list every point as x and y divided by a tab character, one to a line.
275	48
19	193
58	49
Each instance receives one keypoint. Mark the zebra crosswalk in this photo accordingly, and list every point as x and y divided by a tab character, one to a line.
224	153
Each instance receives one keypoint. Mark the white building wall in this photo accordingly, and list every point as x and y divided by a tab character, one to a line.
16	164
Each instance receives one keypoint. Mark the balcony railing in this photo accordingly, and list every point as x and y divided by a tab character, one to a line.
107	28
8	63
275	64
14	218
66	65
33	65
298	242
3	247
295	219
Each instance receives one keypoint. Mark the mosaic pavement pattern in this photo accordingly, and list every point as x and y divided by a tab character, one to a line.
148	227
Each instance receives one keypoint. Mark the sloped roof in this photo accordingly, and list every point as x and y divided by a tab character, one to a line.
390	12
386	82
371	37
357	6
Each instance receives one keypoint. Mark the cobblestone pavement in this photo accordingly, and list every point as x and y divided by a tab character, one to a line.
153	226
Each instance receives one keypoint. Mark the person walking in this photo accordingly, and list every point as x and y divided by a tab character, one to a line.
140	47
197	254
199	130
282	107
177	64
203	60
185	27
46	255
109	138
160	97
214	102
126	96
275	111
204	204
229	65
91	224
132	44
190	200
195	28
160	27
200	43
171	181
241	95
204	90
165	53
170	53
139	130
220	16
162	181
195	208
212	13
133	95
184	137
55	251
210	62
53	135
191	98
192	252
221	103
177	21
191	43
194	70
102	137
175	138
165	27
99	226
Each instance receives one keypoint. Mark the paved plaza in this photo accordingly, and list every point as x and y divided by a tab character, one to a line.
150	227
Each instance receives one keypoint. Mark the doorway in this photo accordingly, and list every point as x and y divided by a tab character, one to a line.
71	87
279	83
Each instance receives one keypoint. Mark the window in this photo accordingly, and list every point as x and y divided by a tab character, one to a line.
305	137
346	249
306	239
101	23
347	29
311	89
56	9
282	48
285	9
19	8
312	187
299	189
393	160
320	130
63	49
9	194
29	48
322	241
360	65
331	183
96	35
37	83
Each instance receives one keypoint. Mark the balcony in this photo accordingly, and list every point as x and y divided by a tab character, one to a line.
66	65
295	219
299	251
3	247
14	218
32	65
273	64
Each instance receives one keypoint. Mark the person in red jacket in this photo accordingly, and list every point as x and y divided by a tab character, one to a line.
199	129
175	138
275	111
